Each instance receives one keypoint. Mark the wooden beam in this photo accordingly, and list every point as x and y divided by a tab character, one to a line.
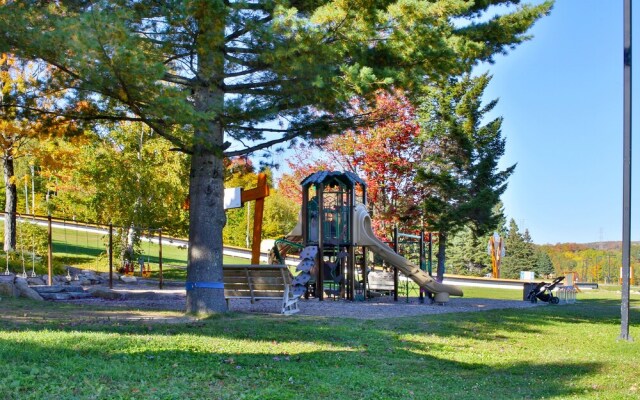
258	195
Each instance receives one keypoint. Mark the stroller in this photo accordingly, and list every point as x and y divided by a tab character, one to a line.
543	292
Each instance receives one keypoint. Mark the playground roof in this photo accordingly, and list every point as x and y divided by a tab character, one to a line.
345	177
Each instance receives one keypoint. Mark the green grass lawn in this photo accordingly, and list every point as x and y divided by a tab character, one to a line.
57	351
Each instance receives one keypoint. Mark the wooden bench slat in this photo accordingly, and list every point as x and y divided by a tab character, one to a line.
254	267
257	282
255	279
256	294
244	272
258	286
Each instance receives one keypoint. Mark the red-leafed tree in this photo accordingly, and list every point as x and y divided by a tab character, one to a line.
304	161
383	154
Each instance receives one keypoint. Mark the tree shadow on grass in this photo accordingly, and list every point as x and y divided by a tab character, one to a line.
264	357
486	325
73	249
149	365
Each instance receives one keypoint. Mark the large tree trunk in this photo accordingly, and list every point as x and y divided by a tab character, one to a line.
205	292
442	245
10	205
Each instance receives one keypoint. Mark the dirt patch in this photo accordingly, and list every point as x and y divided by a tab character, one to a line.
146	299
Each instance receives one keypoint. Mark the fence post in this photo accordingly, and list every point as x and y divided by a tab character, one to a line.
110	255
160	257
49	252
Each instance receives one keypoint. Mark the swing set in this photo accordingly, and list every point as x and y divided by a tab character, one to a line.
26	244
20	248
129	268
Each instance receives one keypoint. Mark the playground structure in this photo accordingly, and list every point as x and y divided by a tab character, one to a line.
334	219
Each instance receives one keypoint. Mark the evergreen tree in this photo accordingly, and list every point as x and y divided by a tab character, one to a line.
544	265
459	170
467	254
520	254
225	69
529	251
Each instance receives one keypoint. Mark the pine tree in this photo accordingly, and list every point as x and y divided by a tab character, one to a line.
459	171
228	69
544	265
520	252
467	254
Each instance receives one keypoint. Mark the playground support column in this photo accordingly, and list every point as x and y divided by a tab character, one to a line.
160	280
351	273
430	261
423	263
365	273
626	196
320	275
351	257
396	246
49	252
110	256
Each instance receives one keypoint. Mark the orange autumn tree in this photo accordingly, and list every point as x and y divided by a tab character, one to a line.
28	100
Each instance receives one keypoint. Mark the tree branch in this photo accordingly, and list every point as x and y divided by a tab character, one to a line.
234	35
177	79
254	85
241	73
264	145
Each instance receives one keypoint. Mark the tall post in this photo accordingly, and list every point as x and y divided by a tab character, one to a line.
49	252
257	221
257	194
626	190
33	189
26	196
396	246
365	273
110	255
320	276
423	263
430	259
161	279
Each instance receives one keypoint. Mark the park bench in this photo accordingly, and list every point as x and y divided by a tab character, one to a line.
260	282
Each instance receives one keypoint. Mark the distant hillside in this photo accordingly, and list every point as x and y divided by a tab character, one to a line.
612	245
594	262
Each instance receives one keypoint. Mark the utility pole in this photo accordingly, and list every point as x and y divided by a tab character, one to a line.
626	184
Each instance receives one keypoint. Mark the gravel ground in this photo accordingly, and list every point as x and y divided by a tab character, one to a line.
151	298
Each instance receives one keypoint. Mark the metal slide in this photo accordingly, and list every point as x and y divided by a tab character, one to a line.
363	236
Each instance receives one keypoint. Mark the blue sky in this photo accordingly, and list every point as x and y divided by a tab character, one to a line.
561	99
560	95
